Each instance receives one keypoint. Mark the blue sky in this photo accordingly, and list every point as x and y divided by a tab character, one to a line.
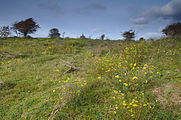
94	17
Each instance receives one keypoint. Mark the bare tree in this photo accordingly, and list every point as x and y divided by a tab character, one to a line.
5	31
63	34
26	27
54	33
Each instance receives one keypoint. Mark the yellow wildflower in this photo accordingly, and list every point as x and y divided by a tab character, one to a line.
124	103
146	65
108	70
145	105
134	78
117	76
99	77
135	105
115	91
125	84
144	68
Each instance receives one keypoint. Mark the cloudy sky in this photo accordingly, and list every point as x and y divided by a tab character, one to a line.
94	17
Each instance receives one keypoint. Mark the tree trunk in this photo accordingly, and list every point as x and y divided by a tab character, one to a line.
25	34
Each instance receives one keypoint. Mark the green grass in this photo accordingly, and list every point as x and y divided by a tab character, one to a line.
112	79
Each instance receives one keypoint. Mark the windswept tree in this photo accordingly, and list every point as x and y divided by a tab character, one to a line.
172	30
129	35
54	33
5	31
28	26
141	39
15	30
102	36
82	36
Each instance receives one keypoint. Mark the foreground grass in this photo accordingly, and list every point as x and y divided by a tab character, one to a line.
111	79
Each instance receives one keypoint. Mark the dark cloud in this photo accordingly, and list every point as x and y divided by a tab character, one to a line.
90	7
51	6
171	11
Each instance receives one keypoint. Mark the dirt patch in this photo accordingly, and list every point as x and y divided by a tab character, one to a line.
168	95
2	83
63	100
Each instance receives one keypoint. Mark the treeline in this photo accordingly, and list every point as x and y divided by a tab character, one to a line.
30	26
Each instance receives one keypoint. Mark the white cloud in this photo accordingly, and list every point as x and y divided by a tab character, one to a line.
140	20
153	35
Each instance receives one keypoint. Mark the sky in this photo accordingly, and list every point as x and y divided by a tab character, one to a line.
94	17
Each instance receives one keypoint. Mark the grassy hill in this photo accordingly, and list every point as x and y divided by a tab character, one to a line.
72	79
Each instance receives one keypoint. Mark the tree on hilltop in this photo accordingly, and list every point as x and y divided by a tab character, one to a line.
141	39
82	36
54	33
102	36
129	35
172	30
26	27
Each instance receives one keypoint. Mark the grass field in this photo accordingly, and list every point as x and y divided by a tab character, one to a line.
72	79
